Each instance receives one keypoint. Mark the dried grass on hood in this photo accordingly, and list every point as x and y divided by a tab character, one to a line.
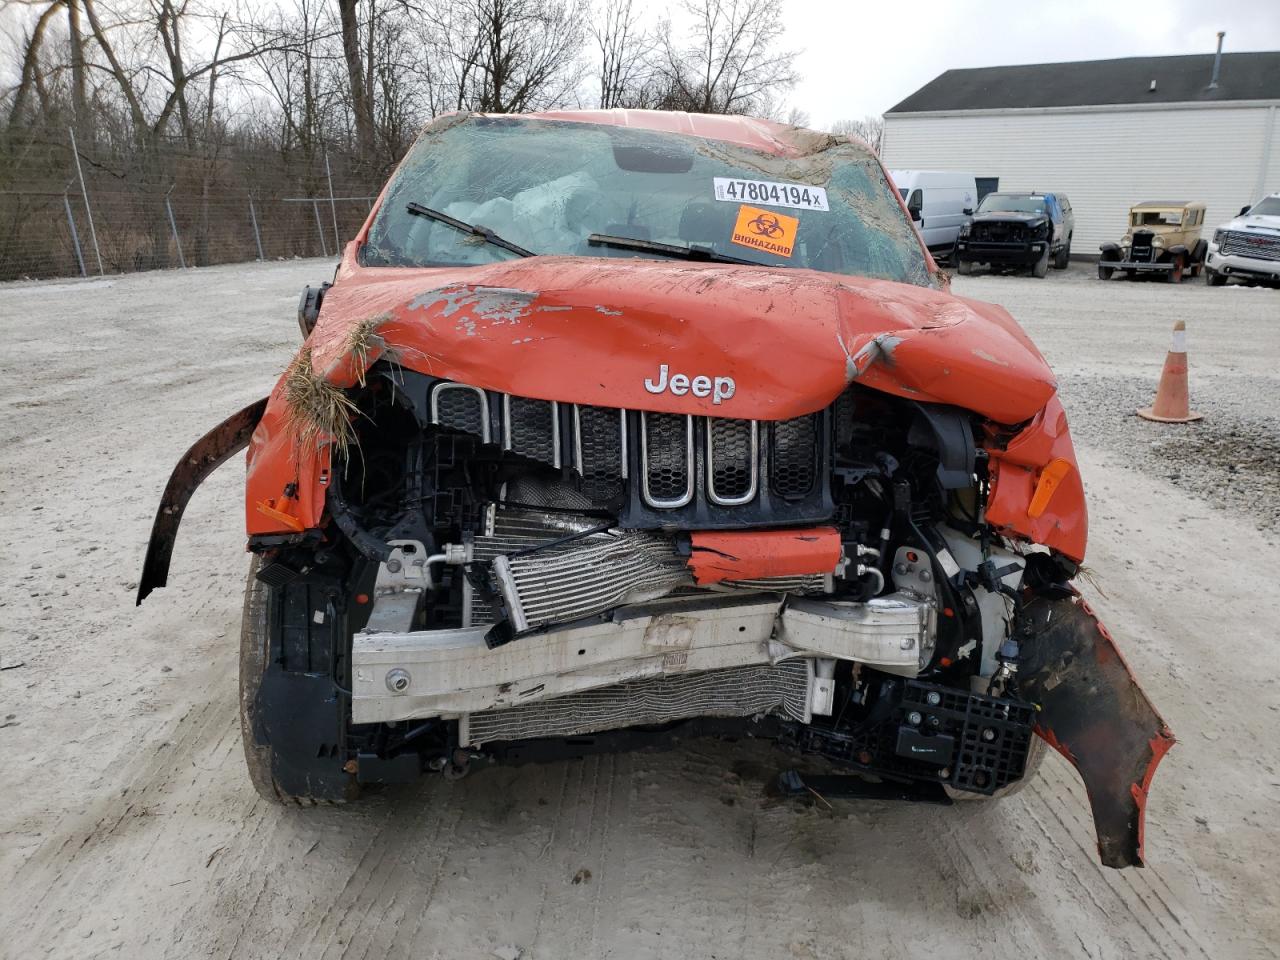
318	411
364	340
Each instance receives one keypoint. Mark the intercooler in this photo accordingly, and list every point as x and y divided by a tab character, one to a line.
735	692
546	567
539	581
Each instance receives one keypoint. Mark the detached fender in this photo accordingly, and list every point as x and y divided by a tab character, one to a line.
205	456
1092	711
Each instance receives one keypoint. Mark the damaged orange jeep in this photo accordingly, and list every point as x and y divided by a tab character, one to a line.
620	428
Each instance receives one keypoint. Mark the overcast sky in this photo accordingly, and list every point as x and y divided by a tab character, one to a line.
862	57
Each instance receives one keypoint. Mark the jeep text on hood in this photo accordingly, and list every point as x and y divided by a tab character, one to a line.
617	427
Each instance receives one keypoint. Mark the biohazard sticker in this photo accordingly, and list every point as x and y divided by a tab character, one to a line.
765	230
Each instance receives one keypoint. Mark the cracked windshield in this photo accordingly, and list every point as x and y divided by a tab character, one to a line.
490	189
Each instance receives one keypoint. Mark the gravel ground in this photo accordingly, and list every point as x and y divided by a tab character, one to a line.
1107	342
128	827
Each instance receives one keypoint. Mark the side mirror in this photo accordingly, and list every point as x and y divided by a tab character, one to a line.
309	308
967	211
914	212
1245	209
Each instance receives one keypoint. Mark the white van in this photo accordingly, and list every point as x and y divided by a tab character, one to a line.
940	201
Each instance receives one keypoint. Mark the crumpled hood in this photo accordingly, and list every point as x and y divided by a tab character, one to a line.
593	331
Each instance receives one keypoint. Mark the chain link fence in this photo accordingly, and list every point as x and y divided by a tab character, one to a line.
180	205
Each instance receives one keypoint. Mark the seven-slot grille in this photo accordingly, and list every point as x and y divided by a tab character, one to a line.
1241	243
737	461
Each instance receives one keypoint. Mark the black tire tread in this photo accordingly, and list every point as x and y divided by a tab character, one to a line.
254	641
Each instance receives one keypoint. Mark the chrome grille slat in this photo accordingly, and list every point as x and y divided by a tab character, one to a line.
792	456
461	407
666	458
733	459
600	450
531	428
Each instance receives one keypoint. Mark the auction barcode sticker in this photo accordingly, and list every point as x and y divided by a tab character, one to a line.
798	195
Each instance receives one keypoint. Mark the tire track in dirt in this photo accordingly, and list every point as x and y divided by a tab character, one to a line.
1146	898
81	853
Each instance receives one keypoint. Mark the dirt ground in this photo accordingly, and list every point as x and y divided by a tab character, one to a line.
128	827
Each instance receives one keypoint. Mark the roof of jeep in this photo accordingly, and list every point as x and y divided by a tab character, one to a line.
1179	79
763	135
1166	204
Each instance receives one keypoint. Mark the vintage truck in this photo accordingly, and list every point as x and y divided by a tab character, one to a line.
621	427
1162	240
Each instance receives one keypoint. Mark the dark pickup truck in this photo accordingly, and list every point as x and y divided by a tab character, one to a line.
1017	230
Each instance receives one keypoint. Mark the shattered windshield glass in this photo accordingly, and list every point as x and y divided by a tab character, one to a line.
549	186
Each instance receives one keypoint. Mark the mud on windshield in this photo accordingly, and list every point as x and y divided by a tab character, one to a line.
548	187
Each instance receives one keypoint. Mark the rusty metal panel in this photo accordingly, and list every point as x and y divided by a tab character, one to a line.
1092	711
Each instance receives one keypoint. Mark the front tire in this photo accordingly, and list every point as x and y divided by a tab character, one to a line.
1213	278
1063	259
1104	273
1040	268
964	267
254	641
263	758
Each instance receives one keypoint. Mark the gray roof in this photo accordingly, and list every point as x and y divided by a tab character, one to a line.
1244	76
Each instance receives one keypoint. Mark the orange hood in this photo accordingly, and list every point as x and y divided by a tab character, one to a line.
592	331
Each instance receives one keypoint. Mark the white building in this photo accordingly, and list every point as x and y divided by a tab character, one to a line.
1107	133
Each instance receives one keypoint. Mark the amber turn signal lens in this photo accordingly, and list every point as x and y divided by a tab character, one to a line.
1050	477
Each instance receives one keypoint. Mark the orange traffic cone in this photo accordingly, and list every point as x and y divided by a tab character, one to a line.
1172	403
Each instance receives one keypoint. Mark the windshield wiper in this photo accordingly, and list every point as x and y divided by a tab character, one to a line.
474	229
667	249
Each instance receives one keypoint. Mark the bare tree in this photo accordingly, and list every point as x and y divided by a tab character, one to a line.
731	61
869	128
627	52
359	80
796	117
79	84
514	55
32	76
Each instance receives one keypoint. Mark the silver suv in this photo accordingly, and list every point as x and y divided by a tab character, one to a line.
1247	247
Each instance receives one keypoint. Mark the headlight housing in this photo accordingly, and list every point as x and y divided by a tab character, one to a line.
1217	237
964	229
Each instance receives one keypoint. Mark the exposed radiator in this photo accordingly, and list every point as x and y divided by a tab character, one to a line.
736	692
588	575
